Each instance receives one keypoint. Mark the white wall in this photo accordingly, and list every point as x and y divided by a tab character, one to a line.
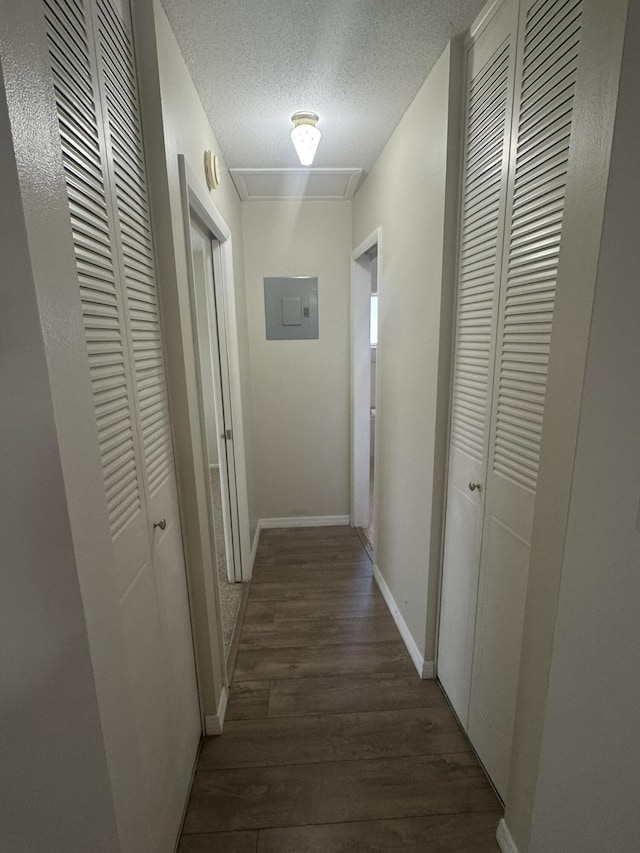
411	192
300	389
54	785
588	784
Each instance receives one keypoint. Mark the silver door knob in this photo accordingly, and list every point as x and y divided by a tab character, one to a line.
474	486
162	524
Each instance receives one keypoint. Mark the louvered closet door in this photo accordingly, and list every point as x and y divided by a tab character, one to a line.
175	727
80	122
96	93
490	76
550	36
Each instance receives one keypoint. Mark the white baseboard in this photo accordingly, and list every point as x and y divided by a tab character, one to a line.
187	798
428	669
213	723
304	521
505	841
418	660
254	548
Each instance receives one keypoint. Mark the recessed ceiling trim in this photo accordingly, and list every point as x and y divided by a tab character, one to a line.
271	184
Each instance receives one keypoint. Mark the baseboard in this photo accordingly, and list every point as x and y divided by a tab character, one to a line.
213	723
428	669
237	631
254	548
304	521
504	839
187	797
418	660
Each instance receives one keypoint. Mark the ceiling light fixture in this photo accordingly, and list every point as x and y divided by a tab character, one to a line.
305	135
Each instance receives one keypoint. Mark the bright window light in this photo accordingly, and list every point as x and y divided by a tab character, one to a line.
373	337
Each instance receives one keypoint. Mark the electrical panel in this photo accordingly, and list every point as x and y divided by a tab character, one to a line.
291	308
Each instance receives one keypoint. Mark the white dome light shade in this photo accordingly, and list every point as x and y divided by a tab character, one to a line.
305	135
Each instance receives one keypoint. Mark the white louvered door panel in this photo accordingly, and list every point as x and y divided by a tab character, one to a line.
133	219
490	81
165	667
95	83
79	115
550	34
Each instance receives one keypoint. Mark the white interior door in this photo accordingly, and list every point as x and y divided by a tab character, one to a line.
214	378
490	67
550	40
94	77
218	309
125	155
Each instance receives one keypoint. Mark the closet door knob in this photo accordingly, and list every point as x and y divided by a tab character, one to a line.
161	524
474	486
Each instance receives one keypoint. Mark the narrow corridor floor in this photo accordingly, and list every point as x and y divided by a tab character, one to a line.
332	744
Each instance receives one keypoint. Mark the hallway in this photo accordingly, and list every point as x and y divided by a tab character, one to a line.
331	742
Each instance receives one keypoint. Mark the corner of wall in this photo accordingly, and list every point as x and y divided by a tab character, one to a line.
449	268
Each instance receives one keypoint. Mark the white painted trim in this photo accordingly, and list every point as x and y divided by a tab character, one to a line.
367	244
254	547
187	798
304	521
429	670
205	548
194	206
195	198
235	384
418	659
214	723
240	176
482	22
504	839
360	377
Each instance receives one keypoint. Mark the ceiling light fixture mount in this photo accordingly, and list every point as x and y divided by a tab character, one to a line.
305	135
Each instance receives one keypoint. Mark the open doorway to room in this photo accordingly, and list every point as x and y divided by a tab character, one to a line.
364	357
218	428
209	262
369	530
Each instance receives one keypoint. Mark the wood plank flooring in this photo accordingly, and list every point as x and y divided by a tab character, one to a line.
332	744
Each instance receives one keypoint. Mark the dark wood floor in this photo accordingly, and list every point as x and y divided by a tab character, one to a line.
332	744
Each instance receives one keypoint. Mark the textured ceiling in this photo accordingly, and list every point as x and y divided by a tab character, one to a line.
357	63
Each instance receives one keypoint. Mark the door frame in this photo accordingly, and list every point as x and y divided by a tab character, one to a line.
360	396
210	370
195	200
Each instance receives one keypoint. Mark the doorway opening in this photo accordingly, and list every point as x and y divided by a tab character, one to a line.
209	260
218	427
365	267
